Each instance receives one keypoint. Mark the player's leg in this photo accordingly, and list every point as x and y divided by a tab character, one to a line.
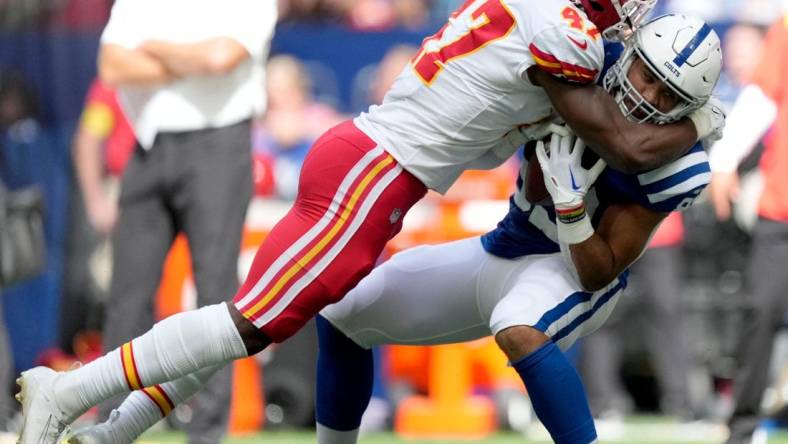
142	409
179	345
425	295
51	400
140	243
212	200
554	387
215	249
350	203
544	309
344	385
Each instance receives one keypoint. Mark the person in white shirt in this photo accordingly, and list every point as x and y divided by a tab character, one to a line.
189	76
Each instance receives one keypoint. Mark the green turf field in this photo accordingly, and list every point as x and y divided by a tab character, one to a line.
502	438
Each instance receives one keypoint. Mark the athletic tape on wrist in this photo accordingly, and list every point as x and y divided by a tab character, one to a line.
570	215
574	232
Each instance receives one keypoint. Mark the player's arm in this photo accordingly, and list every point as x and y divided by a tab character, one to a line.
598	256
621	236
214	56
121	66
594	115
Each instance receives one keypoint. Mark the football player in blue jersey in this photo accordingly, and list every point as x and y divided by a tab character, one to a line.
552	270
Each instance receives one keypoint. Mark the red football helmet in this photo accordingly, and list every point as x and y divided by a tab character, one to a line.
616	19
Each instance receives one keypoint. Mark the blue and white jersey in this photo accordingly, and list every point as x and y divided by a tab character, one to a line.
530	228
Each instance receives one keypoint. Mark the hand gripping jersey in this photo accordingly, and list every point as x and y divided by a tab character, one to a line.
530	229
467	87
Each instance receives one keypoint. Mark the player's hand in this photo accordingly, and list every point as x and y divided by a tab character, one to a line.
565	178
723	189
709	120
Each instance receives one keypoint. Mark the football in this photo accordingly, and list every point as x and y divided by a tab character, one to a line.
535	190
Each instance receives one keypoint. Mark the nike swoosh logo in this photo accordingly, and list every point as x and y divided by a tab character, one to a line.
572	176
582	45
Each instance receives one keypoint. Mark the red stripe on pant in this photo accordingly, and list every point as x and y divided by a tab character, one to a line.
331	160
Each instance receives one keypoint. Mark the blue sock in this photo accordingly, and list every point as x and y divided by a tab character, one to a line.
344	379
557	395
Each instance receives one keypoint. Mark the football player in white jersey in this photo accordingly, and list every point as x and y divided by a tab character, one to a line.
552	271
515	282
485	83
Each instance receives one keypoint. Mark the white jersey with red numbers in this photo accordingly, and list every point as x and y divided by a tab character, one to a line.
467	87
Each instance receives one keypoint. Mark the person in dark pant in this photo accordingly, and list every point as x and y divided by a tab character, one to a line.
103	144
190	101
762	106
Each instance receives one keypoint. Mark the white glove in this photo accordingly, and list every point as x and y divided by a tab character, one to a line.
568	181
709	120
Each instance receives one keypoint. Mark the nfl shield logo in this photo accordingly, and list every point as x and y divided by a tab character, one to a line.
395	215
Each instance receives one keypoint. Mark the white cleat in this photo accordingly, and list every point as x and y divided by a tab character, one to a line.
102	433
42	421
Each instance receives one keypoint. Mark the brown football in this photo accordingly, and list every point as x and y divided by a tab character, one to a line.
535	190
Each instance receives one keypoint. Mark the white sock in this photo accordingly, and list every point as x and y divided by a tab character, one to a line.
327	435
177	346
144	408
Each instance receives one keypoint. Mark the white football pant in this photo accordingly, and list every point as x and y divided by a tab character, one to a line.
456	292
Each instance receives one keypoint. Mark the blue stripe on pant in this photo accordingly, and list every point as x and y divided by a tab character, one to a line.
572	301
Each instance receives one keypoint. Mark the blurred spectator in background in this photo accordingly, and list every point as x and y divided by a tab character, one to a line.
653	309
72	14
360	15
371	82
761	106
17	106
313	10
189	84
79	14
741	47
102	146
395	60
379	15
715	11
723	11
29	157
293	120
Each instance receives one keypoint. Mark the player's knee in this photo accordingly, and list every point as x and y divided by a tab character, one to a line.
254	339
519	341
